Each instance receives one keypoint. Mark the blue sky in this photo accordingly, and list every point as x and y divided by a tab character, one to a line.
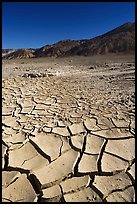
35	24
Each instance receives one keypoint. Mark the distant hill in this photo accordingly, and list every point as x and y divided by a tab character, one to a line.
118	40
7	51
19	53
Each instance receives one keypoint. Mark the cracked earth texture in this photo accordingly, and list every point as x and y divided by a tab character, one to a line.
69	137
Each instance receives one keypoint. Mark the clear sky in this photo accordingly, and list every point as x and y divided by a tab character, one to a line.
35	24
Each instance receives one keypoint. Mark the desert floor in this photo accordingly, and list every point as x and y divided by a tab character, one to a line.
68	129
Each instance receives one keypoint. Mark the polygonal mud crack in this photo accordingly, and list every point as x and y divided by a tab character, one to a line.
48	144
69	138
122	195
84	195
26	157
16	192
108	184
57	170
77	128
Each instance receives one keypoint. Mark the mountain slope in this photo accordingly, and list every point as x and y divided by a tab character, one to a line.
120	39
20	53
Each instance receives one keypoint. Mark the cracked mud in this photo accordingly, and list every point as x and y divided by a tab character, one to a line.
69	137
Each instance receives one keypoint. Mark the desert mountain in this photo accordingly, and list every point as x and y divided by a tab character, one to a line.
7	51
19	53
120	39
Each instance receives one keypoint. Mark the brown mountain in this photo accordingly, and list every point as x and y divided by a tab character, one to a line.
19	53
120	39
7	51
58	49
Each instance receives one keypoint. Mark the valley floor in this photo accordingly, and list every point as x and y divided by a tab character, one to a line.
68	129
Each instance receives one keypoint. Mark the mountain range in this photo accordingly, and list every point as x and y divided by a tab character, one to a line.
118	40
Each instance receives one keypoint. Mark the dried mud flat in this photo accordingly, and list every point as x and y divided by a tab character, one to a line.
68	130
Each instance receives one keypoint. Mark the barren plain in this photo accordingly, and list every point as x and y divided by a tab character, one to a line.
68	129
